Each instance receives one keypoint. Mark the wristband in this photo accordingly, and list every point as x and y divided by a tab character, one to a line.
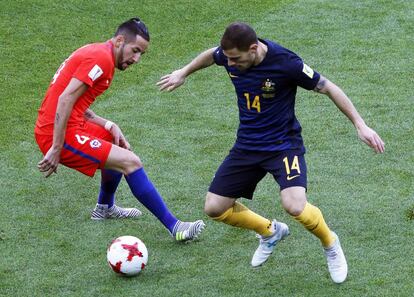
108	125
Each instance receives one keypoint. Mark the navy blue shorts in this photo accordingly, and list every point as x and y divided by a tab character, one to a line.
242	170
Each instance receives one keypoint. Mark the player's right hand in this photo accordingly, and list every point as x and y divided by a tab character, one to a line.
371	138
171	81
50	162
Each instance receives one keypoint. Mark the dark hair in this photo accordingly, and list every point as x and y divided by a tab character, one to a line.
131	28
238	35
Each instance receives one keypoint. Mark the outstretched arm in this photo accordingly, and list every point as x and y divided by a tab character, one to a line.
341	100
175	79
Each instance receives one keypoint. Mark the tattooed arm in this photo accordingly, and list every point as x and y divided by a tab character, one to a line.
94	118
341	100
64	108
118	137
344	104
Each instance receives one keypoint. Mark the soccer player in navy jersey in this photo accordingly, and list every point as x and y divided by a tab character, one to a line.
68	132
266	76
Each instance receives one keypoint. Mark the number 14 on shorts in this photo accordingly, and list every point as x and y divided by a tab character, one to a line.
294	165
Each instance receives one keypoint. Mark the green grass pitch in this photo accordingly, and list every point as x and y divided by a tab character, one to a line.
50	247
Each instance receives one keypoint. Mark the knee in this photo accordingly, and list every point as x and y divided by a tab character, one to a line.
294	204
211	210
212	207
294	209
131	163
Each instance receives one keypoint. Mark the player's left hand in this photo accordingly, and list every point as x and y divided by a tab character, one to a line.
50	161
371	138
119	138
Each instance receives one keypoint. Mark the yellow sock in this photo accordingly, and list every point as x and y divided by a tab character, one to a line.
312	219
240	216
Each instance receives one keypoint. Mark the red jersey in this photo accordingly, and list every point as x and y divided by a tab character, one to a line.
93	64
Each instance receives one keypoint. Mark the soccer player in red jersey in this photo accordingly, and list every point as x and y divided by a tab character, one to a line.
69	132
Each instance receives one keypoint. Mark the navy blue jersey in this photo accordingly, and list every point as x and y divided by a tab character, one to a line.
266	99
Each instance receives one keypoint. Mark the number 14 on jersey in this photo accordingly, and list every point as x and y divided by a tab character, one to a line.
255	104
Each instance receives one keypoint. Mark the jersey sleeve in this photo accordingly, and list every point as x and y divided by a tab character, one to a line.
302	75
219	58
91	69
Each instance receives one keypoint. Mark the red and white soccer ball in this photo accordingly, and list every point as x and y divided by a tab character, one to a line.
127	255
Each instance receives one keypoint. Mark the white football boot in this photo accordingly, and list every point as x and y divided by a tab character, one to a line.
337	266
186	231
268	243
102	212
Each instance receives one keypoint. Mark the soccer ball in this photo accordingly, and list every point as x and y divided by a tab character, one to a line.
127	255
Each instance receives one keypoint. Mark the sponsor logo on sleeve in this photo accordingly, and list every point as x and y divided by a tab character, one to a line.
307	70
95	73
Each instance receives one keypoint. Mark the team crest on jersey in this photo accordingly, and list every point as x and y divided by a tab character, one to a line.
268	88
95	143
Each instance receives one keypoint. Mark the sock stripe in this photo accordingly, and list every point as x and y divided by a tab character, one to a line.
316	226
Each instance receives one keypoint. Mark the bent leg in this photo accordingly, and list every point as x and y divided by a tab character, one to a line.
233	213
128	163
122	160
295	203
109	183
